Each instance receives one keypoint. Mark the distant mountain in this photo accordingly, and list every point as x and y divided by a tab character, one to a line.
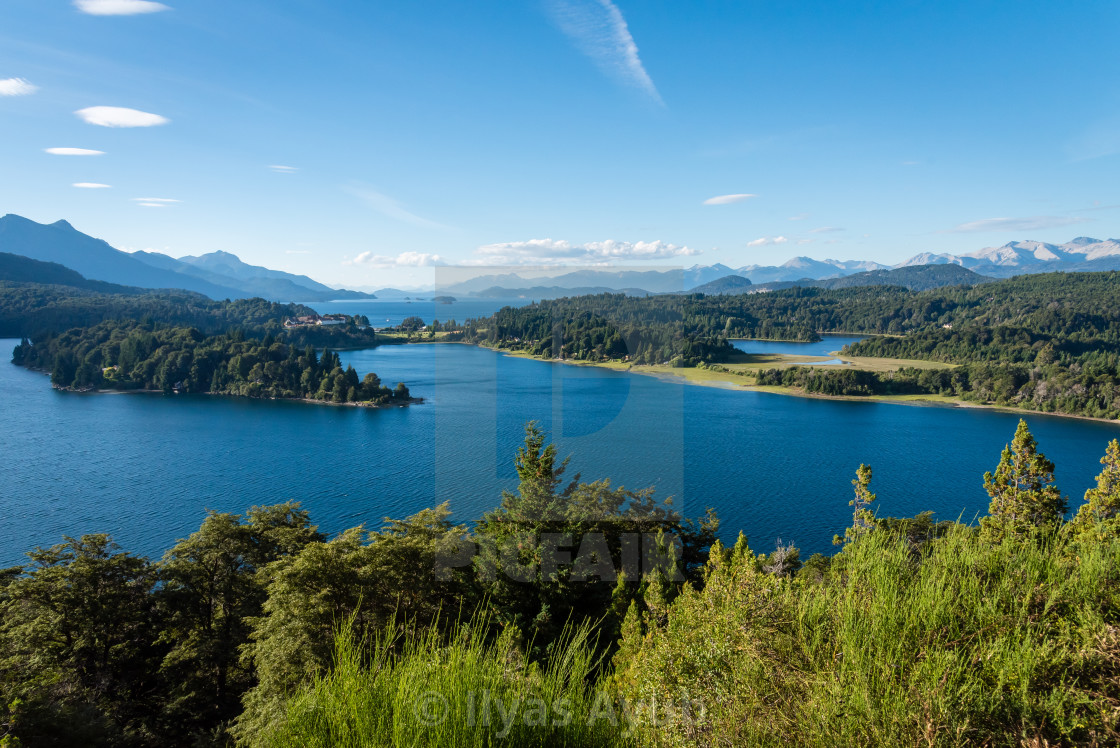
537	293
231	266
218	274
915	278
61	243
20	269
800	268
254	280
729	284
1017	258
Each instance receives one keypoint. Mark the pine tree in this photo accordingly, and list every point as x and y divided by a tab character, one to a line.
1102	503
863	519
1023	493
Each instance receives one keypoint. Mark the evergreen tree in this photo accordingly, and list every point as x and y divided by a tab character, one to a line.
1102	503
863	519
1023	493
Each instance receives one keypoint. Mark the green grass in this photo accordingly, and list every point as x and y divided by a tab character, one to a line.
424	689
1012	644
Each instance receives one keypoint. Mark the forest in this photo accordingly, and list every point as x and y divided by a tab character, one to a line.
581	614
146	356
34	310
1048	342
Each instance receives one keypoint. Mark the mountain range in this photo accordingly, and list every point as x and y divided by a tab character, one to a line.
223	275
219	275
1014	258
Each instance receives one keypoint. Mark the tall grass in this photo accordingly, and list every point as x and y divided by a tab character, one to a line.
970	643
425	689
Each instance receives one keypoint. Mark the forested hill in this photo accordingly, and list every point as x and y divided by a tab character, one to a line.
33	309
19	269
1047	342
142	356
37	310
912	278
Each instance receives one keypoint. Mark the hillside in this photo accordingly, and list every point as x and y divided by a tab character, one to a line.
20	269
914	278
725	285
218	275
95	259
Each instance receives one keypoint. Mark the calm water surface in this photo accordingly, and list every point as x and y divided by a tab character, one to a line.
823	347
146	467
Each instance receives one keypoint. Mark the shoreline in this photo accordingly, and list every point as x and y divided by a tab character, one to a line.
309	400
727	381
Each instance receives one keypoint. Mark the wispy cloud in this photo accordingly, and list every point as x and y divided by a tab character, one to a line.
599	31
763	241
404	259
117	116
826	230
283	169
554	252
799	217
118	7
155	202
92	185
728	199
391	207
16	87
1031	223
73	152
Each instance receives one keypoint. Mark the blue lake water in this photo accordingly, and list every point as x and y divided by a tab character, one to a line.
144	468
823	347
391	312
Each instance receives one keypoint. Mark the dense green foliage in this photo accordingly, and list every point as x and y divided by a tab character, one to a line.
138	356
1046	342
261	630
683	330
34	310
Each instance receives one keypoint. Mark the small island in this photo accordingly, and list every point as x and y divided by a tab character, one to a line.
140	357
444	299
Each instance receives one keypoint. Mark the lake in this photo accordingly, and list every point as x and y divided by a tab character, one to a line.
391	312
144	468
823	347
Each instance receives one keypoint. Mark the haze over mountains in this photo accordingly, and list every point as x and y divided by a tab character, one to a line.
223	275
1014	258
219	275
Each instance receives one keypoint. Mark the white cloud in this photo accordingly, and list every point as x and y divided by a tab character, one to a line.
826	230
155	202
1030	223
728	199
283	169
73	152
799	217
404	259
599	31
118	7
116	116
16	87
92	185
551	252
762	241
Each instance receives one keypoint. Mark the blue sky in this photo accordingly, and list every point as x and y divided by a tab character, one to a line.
560	130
